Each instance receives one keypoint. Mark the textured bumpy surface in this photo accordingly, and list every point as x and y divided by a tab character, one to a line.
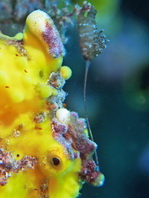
44	148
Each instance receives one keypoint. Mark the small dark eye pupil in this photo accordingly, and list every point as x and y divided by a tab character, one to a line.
56	161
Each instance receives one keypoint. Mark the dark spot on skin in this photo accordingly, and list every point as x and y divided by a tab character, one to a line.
6	86
25	70
38	128
18	155
41	73
17	55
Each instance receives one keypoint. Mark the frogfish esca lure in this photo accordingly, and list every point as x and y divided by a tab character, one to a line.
45	151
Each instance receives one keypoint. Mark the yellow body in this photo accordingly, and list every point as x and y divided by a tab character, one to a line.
25	67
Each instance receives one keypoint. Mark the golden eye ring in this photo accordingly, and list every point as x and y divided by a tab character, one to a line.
54	161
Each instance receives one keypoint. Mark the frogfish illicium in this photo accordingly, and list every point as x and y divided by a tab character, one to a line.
45	151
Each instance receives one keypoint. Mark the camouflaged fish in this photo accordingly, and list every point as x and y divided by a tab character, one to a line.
45	151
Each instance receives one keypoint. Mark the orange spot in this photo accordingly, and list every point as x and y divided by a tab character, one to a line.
64	105
38	128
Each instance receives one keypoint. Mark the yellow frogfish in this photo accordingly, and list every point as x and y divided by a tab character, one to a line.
45	151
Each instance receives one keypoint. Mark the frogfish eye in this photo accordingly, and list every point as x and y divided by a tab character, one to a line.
56	161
